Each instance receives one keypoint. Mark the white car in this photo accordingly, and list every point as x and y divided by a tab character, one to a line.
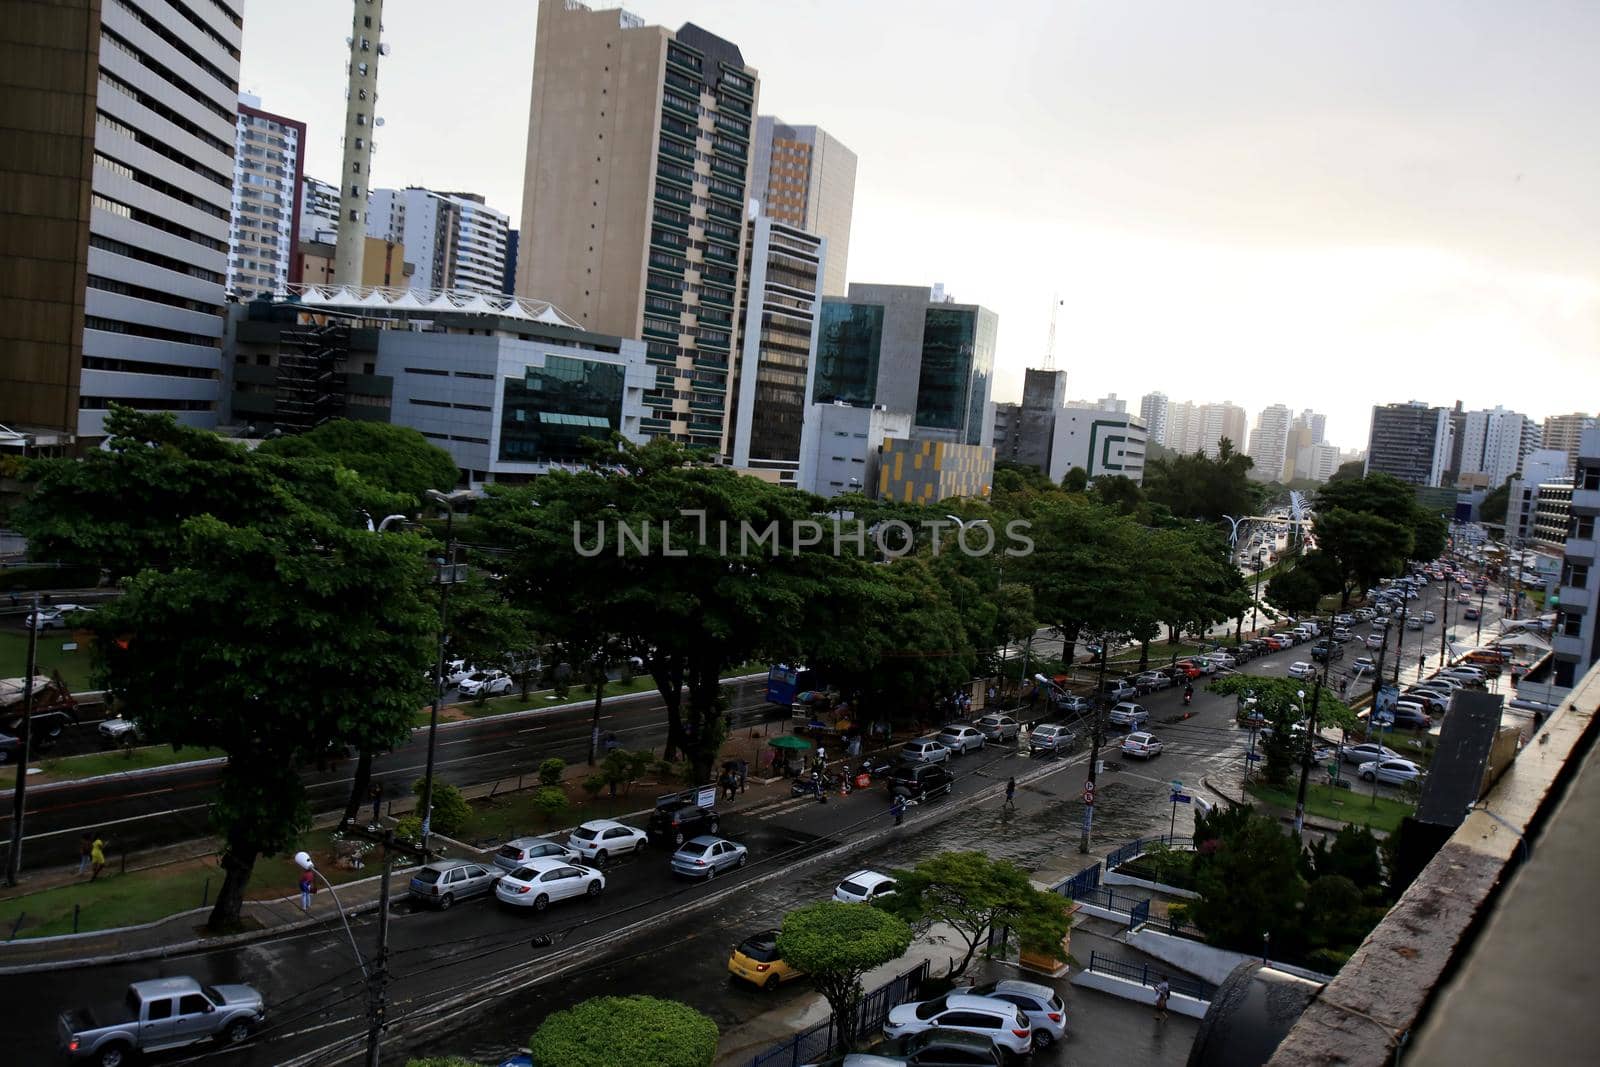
1141	744
1366	752
1001	1021
485	683
1374	640
1044	1006
55	616
1221	659
600	839
1392	771
1428	616
1302	669
863	887
458	671
539	882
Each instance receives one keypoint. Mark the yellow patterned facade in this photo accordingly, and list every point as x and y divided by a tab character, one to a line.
926	472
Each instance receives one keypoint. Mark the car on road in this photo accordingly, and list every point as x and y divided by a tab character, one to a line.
1074	704
1413	623
1366	752
864	887
707	856
756	960
1115	690
485	683
54	617
1373	640
1051	739
539	883
999	728
924	750
1150	681
1344	619
1429	617
600	840
1045	1009
999	1020
1391	771
1141	744
1472	614
443	882
1129	715
1325	648
920	781
1364	614
1341	634
678	820
457	671
1463	598
114	732
160	1014
1302	669
960	738
518	851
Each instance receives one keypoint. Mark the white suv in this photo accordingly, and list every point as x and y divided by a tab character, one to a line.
1001	1021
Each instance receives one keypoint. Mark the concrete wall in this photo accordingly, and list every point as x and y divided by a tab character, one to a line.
1177	1003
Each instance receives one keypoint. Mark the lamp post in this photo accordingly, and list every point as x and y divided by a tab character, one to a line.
303	861
448	576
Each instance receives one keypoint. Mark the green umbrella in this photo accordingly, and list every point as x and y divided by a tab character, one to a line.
790	741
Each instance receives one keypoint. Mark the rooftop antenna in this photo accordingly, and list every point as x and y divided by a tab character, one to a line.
1050	343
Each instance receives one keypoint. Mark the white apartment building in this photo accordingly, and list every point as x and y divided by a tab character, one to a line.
1184	427
166	123
1217	421
268	164
455	239
1269	442
319	210
1494	443
1153	408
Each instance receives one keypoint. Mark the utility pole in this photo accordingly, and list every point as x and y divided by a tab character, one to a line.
1444	625
378	973
1400	638
1094	751
19	796
449	574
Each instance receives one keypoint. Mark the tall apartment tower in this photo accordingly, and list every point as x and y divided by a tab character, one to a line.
807	178
361	98
1184	426
634	196
455	240
1269	442
1564	432
1218	421
1153	408
1410	441
319	210
1314	421
268	171
1494	442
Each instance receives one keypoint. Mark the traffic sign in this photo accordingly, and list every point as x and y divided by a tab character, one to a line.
1181	798
1088	792
1177	786
1252	757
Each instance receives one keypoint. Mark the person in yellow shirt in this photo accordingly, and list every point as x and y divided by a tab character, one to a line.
97	858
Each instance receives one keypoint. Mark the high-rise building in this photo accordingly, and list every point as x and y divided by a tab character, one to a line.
1100	442
319	210
1565	432
1153	409
1410	441
268	172
383	263
508	276
1269	442
1493	444
1025	432
1541	468
1316	422
897	347
1316	462
778	342
1218	421
1576	639
806	178
1184	427
455	240
360	119
1007	432
634	196
1112	403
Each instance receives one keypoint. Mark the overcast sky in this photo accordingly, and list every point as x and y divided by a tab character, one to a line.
1323	204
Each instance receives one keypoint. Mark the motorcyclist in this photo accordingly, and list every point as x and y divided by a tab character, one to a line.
1188	692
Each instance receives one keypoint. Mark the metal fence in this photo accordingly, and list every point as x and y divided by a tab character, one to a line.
1110	898
1135	849
1146	975
1084	881
1138	914
814	1043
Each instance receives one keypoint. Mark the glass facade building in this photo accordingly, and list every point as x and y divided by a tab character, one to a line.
551	412
849	344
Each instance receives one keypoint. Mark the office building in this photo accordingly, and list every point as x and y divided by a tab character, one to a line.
1098	441
1541	467
360	120
1410	441
1315	422
638	170
268	172
806	178
1007	439
1458	437
912	471
1576	639
1493	444
898	347
1222	421
843	447
454	240
1153	409
1565	432
319	210
1269	443
383	263
779	311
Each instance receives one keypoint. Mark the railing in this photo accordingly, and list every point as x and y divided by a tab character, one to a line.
1111	899
1145	975
814	1043
1138	915
1135	849
1085	881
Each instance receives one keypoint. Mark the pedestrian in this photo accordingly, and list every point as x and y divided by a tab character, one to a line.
819	787
308	886
898	809
1011	794
377	802
97	857
744	775
85	846
822	757
1163	991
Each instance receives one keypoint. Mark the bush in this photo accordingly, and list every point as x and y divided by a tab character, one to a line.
550	770
409	828
626	1032
665	771
450	809
593	784
551	802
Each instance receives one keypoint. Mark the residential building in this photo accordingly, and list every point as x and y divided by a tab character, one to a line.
383	263
898	347
1542	467
1493	444
1552	517
319	210
1007	437
912	471
1317	463
360	119
1576	639
1269	442
1153	409
778	317
1565	432
455	240
1298	439
1410	441
268	171
1112	403
508	276
806	178
843	447
1219	421
638	169
1458	437
1315	422
1098	441
1184	427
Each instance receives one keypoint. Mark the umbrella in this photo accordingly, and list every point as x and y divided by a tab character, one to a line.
790	741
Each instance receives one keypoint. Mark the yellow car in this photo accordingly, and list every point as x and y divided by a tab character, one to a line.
755	960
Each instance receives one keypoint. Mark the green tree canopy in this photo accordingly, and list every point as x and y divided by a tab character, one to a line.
625	1032
1296	591
1495	501
1247	873
394	458
1199	487
836	944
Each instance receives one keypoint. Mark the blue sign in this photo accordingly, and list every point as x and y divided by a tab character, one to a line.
1252	757
1388	697
783	684
1181	798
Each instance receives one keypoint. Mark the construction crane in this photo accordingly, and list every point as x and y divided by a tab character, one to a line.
1050	343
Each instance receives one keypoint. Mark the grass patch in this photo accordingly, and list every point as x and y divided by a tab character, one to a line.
74	666
142	896
511	815
1355	805
91	764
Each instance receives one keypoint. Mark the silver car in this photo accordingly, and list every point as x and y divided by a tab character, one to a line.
961	739
1129	715
999	727
706	857
517	853
924	750
1051	739
443	882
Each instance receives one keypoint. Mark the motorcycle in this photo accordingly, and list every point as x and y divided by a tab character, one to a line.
1188	695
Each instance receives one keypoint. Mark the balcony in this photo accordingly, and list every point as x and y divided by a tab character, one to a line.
1575	599
660	403
1581	548
1586	501
649	425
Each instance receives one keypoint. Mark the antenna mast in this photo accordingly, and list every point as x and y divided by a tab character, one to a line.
1050	343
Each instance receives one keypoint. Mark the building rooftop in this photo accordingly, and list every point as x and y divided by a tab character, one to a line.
387	300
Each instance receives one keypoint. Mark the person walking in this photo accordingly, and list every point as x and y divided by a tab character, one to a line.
85	847
377	801
308	886
898	809
1163	992
1011	795
97	857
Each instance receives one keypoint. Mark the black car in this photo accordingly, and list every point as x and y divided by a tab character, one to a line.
1323	649
920	781
680	820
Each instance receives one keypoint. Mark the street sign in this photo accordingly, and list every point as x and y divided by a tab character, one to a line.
1181	798
1252	757
1088	792
1177	786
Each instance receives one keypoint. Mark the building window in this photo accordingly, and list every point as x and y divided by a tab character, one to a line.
550	413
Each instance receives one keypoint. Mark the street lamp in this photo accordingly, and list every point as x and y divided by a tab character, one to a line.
448	576
303	860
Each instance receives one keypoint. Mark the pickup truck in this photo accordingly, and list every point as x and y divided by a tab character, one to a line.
162	1013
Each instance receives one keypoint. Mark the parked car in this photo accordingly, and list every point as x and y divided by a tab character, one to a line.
55	617
1141	744
1344	619
1150	681
1129	715
162	1013
1428	616
1221	659
706	857
114	732
1373	640
1045	1009
961	739
920	781
1186	668
924	750
1115	690
443	882
864	887
1341	634
1051	739
756	960
999	727
457	671
1472	614
937	1047
517	852
1391	771
539	883
1413	623
598	840
1074	704
678	820
999	1020
1433	701
485	683
1326	649
1302	669
1403	717
1366	752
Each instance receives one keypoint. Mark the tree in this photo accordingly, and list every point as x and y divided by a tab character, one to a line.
1199	487
836	944
1119	492
1084	563
259	616
1248	878
1361	548
973	894
1296	591
1355	469
1075	480
1429	535
1279	702
1495	502
394	458
1353	854
625	1032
